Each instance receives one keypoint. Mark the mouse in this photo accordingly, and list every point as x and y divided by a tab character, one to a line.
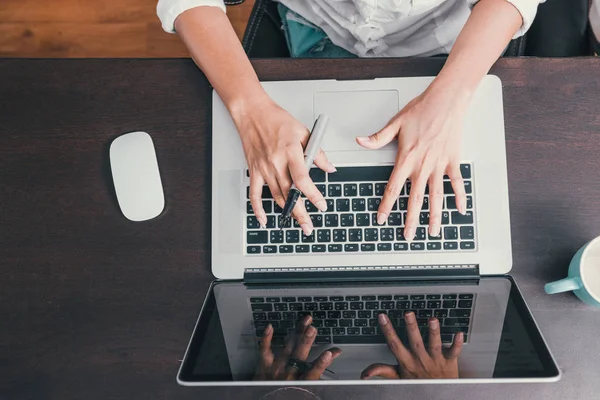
136	176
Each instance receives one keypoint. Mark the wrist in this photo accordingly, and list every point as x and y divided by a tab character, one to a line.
450	92
244	105
457	82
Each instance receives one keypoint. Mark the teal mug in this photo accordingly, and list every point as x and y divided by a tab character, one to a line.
584	275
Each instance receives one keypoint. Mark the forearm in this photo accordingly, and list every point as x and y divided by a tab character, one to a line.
486	34
215	48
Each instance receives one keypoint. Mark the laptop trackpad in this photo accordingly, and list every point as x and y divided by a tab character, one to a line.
354	113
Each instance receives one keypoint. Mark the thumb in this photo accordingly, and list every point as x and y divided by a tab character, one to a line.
381	138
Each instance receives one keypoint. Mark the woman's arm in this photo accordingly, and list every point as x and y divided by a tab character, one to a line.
429	127
216	49
272	139
489	29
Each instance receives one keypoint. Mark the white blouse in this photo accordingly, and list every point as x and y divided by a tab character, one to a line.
376	28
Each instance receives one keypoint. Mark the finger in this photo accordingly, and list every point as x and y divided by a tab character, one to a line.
303	338
275	189
292	341
303	182
322	162
414	336
383	370
301	326
256	186
299	212
303	323
301	215
305	342
283	358
265	346
436	203
284	180
458	186
435	339
336	352
454	350
319	366
415	203
401	353
392	190
381	138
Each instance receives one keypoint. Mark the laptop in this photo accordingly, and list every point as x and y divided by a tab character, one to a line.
351	269
347	234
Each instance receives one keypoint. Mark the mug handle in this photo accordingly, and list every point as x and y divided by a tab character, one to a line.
563	285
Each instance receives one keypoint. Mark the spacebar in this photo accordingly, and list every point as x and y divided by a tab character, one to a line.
362	339
361	174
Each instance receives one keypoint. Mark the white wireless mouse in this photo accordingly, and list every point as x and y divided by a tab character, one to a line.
136	176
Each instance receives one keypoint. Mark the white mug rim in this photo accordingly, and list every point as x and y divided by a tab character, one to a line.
591	244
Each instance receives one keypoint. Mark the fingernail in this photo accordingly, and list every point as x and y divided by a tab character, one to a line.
337	351
381	217
382	319
263	222
434	324
409	234
363	138
435	230
307	320
327	356
310	331
332	168
459	337
306	228
268	329
322	205
409	317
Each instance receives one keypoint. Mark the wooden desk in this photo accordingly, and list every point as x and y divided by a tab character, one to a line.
94	306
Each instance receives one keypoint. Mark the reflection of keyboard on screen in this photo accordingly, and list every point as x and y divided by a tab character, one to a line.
353	319
350	224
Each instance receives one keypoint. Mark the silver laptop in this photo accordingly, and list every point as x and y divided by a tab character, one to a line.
351	269
347	234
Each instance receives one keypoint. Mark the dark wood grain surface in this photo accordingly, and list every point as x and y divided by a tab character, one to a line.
94	306
92	29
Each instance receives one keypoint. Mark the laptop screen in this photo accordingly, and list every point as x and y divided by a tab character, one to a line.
477	329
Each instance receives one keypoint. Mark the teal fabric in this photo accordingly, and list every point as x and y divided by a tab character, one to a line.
306	40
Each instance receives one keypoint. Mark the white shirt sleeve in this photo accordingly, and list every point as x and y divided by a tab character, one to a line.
527	9
169	10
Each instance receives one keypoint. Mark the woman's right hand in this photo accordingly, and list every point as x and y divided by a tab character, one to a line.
273	143
417	361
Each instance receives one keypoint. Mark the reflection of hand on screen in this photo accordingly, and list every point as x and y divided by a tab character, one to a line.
291	363
417	362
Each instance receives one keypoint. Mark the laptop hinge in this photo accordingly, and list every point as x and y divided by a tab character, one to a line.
357	273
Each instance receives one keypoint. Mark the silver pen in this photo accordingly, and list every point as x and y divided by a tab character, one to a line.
312	148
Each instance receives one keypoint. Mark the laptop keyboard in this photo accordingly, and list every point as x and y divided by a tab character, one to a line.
350	224
353	319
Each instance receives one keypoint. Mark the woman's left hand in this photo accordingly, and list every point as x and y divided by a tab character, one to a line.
429	133
296	349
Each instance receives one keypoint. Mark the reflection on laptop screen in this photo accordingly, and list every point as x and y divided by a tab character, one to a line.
474	328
